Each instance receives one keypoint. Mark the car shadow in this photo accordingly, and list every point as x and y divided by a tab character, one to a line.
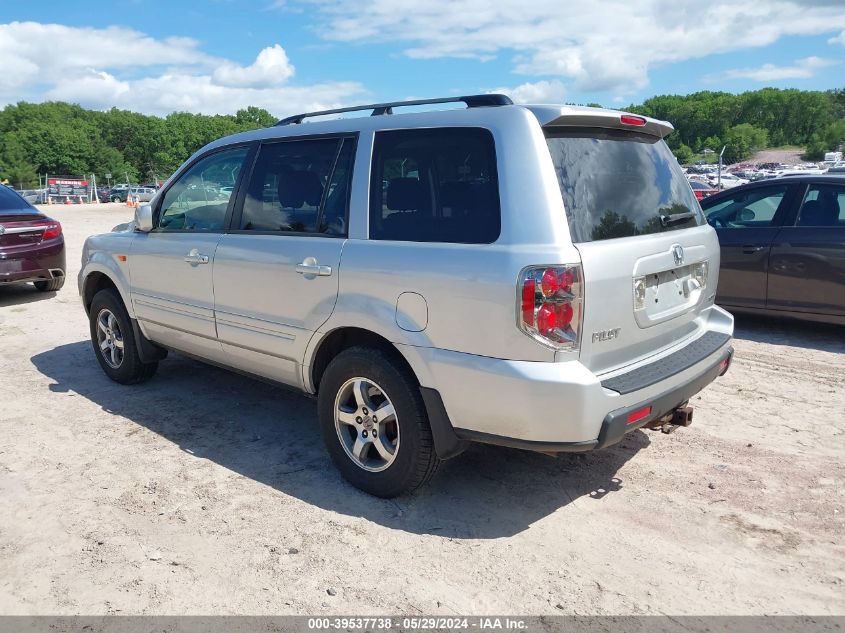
792	332
270	435
19	294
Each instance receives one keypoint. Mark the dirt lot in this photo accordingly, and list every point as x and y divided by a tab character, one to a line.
203	492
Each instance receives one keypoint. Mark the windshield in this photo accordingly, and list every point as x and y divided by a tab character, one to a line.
618	184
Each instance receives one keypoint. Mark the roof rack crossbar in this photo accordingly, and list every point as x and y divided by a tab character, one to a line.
471	101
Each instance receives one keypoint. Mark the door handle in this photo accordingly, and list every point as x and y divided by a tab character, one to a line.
750	249
194	257
309	266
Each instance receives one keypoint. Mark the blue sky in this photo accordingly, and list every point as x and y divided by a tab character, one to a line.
293	55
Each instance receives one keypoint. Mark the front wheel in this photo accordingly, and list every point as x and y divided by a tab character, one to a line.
374	423
114	340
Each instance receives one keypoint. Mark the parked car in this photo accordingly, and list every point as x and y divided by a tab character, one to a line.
539	277
141	194
32	247
702	189
783	247
727	181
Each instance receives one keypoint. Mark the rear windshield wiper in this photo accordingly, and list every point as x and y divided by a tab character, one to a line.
676	218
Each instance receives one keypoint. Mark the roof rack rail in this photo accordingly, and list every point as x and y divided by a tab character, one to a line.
472	101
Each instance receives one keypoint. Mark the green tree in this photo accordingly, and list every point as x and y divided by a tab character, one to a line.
613	225
684	154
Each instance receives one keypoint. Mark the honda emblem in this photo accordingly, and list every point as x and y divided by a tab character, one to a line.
678	254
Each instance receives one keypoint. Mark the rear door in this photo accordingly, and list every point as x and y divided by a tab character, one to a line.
807	272
276	272
747	222
649	259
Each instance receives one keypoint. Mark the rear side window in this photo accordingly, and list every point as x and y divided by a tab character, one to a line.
9	200
299	186
619	183
824	205
435	185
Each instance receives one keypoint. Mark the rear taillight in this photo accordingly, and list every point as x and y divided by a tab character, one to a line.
52	229
551	303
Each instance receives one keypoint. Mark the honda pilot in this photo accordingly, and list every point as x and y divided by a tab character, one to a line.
537	277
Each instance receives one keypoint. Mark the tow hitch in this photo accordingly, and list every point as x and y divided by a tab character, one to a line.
682	416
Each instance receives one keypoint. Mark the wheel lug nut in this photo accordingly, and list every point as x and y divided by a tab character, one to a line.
359	419
375	433
364	434
375	419
365	410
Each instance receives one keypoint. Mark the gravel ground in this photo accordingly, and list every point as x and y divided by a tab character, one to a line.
203	492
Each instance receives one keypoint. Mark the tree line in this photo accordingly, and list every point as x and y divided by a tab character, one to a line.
65	139
752	120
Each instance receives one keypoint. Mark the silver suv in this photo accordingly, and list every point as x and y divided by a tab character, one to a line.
539	277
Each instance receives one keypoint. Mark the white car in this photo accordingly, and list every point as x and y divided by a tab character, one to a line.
728	181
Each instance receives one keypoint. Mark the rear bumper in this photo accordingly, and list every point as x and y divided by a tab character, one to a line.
563	406
36	263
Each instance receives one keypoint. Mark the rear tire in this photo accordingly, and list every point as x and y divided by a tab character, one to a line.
113	340
399	457
53	285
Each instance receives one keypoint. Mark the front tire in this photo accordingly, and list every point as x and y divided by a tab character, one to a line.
114	340
374	423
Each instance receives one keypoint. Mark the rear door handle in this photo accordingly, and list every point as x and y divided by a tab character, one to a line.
750	249
309	266
194	257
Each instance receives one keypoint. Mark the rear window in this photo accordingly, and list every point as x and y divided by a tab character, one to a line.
435	185
9	200
619	184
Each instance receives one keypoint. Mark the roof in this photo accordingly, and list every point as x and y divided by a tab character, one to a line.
483	114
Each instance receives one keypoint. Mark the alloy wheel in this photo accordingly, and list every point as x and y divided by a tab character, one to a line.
366	424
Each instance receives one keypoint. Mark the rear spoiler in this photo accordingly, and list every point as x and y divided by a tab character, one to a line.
557	116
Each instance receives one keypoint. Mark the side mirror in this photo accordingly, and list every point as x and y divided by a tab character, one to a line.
144	218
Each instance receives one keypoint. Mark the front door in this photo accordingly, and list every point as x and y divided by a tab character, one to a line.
276	272
808	259
746	223
171	267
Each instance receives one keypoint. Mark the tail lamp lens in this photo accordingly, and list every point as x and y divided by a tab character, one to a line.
52	229
551	300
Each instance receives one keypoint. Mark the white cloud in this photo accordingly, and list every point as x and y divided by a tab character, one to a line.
839	39
117	67
45	52
537	92
608	45
801	69
272	67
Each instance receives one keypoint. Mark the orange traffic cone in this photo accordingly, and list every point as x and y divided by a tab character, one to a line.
67	200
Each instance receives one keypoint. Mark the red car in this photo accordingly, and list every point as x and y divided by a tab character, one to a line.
32	247
702	189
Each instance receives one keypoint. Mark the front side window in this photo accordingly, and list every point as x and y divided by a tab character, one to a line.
618	184
824	205
299	186
198	200
435	185
751	208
